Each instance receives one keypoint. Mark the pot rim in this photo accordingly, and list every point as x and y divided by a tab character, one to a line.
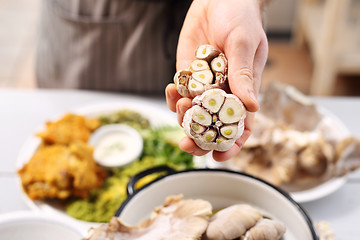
173	172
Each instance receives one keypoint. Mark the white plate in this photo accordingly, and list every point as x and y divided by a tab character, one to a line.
339	130
157	116
35	226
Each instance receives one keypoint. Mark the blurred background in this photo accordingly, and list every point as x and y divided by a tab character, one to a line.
313	45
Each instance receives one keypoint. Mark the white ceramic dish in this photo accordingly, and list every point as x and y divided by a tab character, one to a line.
36	226
156	116
116	145
221	188
338	130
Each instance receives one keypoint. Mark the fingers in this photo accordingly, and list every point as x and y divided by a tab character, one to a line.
187	45
181	107
260	61
172	96
240	50
188	145
191	35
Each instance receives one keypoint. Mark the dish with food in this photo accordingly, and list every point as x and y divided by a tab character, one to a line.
98	203
194	219
297	146
222	189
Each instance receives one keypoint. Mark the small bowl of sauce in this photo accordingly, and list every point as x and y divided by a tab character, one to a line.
116	145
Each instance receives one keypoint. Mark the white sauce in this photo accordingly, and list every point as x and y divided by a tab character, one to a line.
116	145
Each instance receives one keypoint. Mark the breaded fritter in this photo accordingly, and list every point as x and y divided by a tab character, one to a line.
68	129
61	171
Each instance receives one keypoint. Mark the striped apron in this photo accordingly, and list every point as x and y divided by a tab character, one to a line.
109	45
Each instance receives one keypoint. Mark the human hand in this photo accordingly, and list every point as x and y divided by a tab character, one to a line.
235	28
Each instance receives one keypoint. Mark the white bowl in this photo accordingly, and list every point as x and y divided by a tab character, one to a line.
35	226
221	188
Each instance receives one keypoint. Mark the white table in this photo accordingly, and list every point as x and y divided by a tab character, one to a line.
23	111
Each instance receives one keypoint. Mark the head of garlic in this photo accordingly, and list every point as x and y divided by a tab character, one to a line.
215	121
207	71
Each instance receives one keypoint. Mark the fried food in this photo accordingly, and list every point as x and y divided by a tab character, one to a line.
68	129
63	165
61	171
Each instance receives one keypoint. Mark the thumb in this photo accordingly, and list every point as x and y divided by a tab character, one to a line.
240	72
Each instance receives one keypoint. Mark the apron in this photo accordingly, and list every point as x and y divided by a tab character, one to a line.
109	45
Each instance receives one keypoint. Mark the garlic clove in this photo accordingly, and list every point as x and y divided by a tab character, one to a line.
219	64
229	131
209	135
206	52
220	79
197	128
181	80
204	76
213	101
221	139
199	65
182	77
201	116
232	111
195	87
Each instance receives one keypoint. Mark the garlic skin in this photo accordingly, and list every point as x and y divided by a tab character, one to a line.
219	115
208	71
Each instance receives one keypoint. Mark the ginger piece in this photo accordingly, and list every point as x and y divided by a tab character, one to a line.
266	229
215	121
232	222
59	171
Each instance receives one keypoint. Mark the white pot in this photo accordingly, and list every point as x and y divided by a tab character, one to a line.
221	188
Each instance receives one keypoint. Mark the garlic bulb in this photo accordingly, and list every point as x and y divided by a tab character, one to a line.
207	71
215	121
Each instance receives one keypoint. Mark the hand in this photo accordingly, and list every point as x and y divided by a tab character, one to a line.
234	27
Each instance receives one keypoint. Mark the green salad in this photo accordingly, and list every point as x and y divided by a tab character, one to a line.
160	148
